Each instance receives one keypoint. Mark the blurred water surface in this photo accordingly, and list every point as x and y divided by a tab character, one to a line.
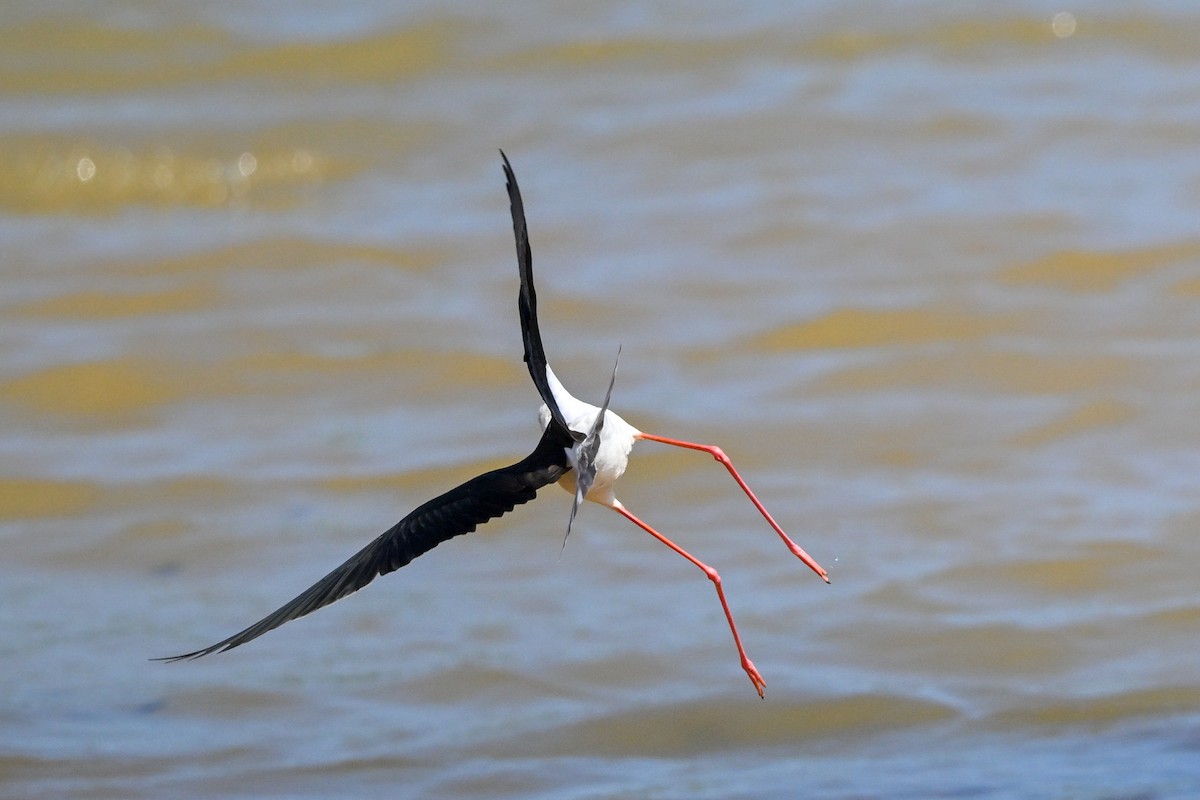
927	271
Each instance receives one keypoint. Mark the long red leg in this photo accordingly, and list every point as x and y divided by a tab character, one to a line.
747	664
720	456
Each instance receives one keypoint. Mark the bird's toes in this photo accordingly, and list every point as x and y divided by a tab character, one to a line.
756	677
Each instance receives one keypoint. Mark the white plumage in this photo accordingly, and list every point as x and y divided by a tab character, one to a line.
616	441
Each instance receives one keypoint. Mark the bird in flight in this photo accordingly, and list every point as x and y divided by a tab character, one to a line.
583	448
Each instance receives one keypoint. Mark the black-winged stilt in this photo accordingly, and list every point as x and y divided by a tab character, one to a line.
583	448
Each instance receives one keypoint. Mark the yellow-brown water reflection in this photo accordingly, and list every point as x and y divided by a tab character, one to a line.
39	177
928	274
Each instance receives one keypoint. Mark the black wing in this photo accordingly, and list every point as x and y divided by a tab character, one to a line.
456	512
535	356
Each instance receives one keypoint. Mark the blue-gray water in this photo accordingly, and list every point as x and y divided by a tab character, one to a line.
928	272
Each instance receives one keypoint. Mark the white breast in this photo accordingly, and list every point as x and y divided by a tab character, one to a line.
616	440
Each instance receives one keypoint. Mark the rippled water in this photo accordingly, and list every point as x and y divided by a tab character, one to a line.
928	272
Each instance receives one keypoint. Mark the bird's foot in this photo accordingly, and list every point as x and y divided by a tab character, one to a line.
755	677
808	560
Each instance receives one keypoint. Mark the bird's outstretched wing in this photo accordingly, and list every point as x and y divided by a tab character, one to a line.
535	355
456	512
582	456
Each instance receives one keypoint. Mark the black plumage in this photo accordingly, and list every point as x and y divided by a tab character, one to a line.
464	507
